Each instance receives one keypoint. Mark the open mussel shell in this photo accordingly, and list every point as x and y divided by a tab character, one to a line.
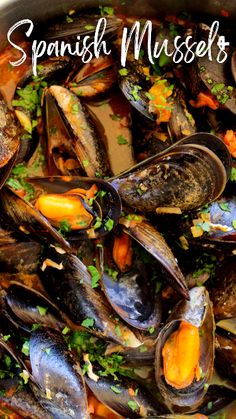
133	297
28	307
132	83
69	284
184	177
10	141
94	78
197	312
107	205
215	76
78	129
152	241
123	397
24	217
61	388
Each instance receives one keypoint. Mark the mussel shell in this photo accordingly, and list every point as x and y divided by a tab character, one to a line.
94	78
225	359
181	123
24	305
10	141
19	257
119	401
127	85
152	241
197	312
186	176
23	217
61	385
133	297
71	290
215	72
81	25
109	204
223	295
85	140
23	403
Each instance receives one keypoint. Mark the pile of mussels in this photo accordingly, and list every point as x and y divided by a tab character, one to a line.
117	235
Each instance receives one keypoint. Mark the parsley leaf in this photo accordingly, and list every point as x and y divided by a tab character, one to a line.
121	140
224	206
88	322
95	276
109	224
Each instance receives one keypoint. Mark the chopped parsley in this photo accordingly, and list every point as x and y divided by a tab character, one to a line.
224	206
69	19
25	348
65	330
64	227
85	163
132	405
109	224
115	389
98	223
111	272
89	27
106	10
115	117
134	92
234	224
118	331
121	140
88	322
233	174
42	310
95	276
123	71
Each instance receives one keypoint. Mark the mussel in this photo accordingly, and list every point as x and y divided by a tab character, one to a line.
10	141
94	78
185	353
127	398
60	385
70	130
212	76
186	176
89	207
70	285
152	241
28	307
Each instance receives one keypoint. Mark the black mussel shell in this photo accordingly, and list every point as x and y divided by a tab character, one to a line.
10	141
152	241
24	217
29	307
61	388
69	284
184	177
70	127
117	396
